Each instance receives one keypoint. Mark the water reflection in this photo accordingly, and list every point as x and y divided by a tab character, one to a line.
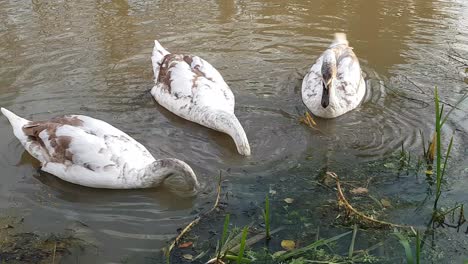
92	57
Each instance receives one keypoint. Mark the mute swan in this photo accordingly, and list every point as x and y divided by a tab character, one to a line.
90	152
191	88
334	85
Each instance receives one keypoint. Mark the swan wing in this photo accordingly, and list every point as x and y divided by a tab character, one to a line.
349	72
80	156
311	84
87	142
185	81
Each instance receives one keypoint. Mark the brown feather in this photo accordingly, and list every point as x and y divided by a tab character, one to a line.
59	144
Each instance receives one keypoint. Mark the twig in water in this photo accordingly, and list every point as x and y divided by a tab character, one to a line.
55	250
195	221
343	201
308	120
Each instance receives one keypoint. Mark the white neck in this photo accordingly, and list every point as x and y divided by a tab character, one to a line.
227	122
174	174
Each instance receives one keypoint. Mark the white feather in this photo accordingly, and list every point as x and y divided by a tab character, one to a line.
348	88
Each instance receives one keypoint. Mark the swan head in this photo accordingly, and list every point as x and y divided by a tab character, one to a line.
175	175
328	71
243	148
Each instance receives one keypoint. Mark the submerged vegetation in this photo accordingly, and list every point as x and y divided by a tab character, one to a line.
290	236
17	246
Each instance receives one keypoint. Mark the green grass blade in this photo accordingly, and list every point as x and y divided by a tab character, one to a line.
224	237
225	230
418	247
240	256
442	173
406	245
312	246
266	216
353	239
447	157
438	146
232	240
463	98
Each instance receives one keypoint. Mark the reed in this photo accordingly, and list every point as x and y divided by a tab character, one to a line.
440	165
266	217
240	255
406	245
405	242
224	237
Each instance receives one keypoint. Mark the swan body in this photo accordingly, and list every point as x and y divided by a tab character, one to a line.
334	85
90	152
191	88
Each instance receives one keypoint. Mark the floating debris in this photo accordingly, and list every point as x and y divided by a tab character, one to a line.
288	244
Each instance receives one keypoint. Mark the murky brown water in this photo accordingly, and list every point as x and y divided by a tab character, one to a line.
93	58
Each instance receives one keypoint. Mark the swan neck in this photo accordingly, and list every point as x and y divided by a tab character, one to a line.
229	124
174	174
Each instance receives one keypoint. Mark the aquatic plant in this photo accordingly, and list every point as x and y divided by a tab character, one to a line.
440	171
266	217
353	240
224	237
438	214
404	241
187	228
240	255
231	242
316	244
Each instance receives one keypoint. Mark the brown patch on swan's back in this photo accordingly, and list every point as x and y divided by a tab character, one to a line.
170	61
67	120
60	145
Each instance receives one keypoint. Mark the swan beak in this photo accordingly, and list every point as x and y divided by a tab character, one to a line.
325	95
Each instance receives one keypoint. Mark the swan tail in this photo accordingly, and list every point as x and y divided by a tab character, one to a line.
17	124
159	52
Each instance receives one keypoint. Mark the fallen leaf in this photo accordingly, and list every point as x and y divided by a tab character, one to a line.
289	200
385	203
288	244
359	190
187	256
186	244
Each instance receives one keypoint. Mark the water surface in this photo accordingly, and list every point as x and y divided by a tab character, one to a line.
93	58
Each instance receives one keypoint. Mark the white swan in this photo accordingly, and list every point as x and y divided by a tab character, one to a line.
334	85
191	88
90	152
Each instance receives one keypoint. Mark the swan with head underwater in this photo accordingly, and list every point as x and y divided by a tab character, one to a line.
334	85
90	152
191	88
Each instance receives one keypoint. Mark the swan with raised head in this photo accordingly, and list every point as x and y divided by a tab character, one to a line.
191	88
90	152
334	85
